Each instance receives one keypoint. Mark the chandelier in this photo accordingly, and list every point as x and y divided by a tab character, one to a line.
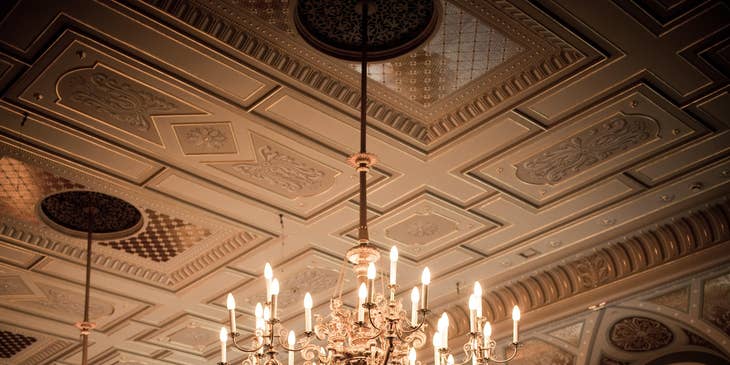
380	330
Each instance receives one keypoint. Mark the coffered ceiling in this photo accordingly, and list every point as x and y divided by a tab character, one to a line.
567	154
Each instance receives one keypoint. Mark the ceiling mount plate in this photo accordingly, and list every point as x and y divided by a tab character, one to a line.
395	27
68	213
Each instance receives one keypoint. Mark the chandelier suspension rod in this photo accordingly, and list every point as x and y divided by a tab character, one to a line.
363	236
87	289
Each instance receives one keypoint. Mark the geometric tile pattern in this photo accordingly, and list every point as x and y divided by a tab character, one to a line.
12	343
23	185
677	299
462	50
162	239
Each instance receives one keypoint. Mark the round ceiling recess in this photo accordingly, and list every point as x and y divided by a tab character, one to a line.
68	212
395	27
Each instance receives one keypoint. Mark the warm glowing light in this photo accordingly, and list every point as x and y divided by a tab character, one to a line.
230	302
268	272
473	302
487	330
308	301
450	360
436	340
259	310
412	355
443	323
223	335
415	295
371	271
394	253
426	276
478	289
275	287
291	339
362	293
267	314
516	313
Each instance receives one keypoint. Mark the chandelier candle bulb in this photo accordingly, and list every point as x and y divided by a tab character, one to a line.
268	275
515	319
436	347
412	356
450	360
487	334
443	327
473	313
425	281
393	264
415	296
371	283
274	298
224	340
362	294
308	312
231	305
259	312
291	340
478	293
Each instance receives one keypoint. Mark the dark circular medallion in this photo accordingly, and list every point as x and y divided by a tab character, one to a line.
636	334
68	212
395	27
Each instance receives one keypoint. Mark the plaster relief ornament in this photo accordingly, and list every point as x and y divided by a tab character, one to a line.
586	149
636	334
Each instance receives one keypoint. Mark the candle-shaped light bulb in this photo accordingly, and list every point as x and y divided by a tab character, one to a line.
515	319
308	312
425	281
362	294
473	313
231	305
224	339
487	334
415	296
436	346
450	360
412	356
268	275
274	298
478	293
291	340
267	314
443	327
259	312
371	282
393	264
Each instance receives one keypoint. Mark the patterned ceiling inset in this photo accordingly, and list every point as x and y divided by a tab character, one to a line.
676	299
23	185
421	229
112	97
537	352
13	343
69	211
570	334
463	49
635	334
281	170
162	239
205	138
715	306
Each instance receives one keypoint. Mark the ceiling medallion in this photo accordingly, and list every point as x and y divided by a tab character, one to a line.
66	213
395	27
379	330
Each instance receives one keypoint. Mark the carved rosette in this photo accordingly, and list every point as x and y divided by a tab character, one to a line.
636	334
586	149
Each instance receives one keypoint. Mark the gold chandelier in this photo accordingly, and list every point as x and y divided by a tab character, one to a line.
380	330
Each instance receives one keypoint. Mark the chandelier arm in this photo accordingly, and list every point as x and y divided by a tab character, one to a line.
370	318
303	344
388	351
243	349
515	345
417	327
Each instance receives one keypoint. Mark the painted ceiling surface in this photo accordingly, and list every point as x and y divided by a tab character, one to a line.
573	156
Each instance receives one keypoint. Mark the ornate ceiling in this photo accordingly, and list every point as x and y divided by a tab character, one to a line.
573	156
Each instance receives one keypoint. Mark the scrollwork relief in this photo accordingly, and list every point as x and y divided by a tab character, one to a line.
586	149
635	334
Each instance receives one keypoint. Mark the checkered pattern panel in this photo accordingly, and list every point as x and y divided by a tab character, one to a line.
23	185
163	238
12	343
